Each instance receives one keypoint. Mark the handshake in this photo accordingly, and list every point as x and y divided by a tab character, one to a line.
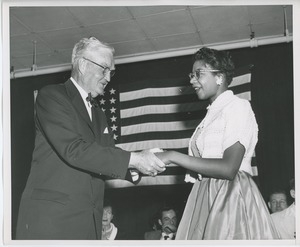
147	162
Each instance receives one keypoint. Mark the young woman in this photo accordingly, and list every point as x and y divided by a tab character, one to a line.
224	203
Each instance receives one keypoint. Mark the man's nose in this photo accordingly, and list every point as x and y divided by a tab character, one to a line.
107	77
193	80
172	221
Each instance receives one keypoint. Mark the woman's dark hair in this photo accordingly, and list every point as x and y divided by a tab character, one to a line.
218	60
108	203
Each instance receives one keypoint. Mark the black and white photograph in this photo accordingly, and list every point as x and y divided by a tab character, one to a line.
140	122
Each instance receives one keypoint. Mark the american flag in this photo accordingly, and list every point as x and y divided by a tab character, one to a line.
160	114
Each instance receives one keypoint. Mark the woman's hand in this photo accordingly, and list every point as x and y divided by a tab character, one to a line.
164	156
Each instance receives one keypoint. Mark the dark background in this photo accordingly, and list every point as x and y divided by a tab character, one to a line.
272	102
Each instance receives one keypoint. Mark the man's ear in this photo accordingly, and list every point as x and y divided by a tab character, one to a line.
81	65
159	222
292	192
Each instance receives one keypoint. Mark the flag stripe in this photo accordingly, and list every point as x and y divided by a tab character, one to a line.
150	92
242	79
157	83
186	97
156	135
164	144
160	109
163	117
242	91
147	181
161	126
246	96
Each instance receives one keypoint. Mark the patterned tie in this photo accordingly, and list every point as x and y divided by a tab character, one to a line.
166	236
93	101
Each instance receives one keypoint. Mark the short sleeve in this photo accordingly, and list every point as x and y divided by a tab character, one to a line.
240	126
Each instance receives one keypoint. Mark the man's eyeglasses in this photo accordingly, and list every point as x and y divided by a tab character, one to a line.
198	72
105	69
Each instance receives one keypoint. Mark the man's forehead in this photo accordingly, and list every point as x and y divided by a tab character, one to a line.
100	53
278	195
168	212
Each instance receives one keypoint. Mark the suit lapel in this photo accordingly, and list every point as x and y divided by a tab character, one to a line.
158	234
98	120
78	102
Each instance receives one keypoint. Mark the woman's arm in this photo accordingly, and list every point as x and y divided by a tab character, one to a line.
224	168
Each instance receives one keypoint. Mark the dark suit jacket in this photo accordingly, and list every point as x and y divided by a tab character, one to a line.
153	235
63	196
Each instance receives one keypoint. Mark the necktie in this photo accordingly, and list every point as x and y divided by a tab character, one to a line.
93	101
166	237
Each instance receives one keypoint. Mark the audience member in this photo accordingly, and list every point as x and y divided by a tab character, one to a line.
109	230
168	222
277	201
285	219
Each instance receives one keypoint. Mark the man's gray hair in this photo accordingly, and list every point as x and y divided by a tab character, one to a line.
89	45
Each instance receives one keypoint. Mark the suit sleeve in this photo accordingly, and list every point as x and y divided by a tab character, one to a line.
72	140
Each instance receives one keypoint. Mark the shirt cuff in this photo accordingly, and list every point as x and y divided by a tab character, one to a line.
135	175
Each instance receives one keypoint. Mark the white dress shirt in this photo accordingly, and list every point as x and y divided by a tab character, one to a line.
285	222
166	236
84	95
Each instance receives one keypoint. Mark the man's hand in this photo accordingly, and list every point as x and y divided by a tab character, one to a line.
169	228
146	162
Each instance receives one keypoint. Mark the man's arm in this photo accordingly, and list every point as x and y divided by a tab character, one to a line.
73	142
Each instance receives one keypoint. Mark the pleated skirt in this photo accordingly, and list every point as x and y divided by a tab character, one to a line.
220	209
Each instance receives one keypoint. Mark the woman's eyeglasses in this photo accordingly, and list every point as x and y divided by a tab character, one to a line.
106	70
198	72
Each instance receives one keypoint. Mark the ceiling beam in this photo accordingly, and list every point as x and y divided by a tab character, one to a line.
252	43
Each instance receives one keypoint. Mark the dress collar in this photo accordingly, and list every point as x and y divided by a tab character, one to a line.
221	100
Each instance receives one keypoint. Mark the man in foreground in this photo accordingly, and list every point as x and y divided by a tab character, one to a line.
74	152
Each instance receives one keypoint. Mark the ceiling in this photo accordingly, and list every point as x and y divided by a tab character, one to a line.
136	31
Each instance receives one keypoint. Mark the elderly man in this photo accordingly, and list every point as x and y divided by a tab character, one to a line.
74	151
